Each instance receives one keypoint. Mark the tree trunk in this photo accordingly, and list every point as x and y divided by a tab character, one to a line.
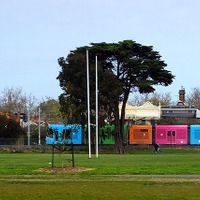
119	123
93	145
119	145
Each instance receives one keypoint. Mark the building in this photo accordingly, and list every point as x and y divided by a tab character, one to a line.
146	112
181	110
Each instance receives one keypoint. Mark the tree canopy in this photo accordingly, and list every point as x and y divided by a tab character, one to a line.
14	100
123	67
50	110
9	128
193	98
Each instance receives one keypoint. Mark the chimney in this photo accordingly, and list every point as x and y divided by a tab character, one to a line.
182	94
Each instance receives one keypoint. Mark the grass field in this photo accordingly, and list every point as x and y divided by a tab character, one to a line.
173	174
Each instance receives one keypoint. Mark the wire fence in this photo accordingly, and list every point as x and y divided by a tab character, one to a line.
21	141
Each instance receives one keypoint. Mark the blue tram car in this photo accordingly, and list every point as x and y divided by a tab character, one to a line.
60	133
194	134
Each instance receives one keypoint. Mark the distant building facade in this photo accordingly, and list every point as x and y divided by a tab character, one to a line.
181	110
146	112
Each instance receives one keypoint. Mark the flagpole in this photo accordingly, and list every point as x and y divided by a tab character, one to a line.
88	101
97	141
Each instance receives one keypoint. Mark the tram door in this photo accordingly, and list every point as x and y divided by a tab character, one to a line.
171	136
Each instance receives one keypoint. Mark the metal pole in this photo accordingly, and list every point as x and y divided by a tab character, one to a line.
88	101
52	163
39	132
97	141
73	165
29	127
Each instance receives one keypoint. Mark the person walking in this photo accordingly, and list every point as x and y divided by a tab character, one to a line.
156	147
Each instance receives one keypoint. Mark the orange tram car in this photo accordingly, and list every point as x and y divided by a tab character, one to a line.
165	134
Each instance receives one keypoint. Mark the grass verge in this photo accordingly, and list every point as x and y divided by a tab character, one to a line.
133	176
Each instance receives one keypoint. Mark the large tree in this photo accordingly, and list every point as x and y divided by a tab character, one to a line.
73	81
9	128
193	98
14	100
50	110
124	67
155	98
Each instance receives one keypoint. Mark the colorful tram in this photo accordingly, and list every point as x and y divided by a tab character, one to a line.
60	133
137	134
140	134
171	134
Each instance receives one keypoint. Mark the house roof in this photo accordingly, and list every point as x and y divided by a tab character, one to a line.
181	110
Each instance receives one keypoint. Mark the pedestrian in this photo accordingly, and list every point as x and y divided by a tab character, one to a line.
156	147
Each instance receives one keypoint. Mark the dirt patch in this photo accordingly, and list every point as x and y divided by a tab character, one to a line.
66	169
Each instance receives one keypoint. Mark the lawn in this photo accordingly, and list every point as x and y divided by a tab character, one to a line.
169	175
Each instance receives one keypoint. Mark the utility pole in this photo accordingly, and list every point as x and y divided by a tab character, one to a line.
29	127
39	132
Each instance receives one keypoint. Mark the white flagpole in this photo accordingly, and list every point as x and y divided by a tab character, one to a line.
97	141
88	101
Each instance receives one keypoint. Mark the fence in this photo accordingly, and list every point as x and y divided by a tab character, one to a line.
20	141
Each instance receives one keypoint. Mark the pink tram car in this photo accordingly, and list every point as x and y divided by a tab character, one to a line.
171	134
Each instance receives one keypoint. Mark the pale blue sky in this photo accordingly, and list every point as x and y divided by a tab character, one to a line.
35	33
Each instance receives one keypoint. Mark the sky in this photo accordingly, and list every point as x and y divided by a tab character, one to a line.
35	33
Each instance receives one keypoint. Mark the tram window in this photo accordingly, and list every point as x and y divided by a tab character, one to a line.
50	133
169	133
56	134
144	130
67	133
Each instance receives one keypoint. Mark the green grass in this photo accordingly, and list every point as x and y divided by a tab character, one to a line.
99	190
112	176
106	164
